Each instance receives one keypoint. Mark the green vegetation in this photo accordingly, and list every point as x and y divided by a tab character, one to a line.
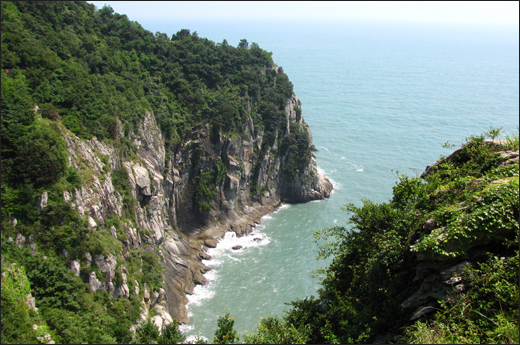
69	67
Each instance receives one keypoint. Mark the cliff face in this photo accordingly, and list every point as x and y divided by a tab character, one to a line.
186	201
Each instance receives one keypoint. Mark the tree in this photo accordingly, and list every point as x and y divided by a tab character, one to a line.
243	44
225	333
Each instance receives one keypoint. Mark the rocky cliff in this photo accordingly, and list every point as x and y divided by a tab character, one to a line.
184	201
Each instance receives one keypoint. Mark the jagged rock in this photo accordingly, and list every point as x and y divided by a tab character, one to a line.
136	288
166	317
204	256
165	203
455	270
95	284
236	247
113	232
121	291
20	240
158	321
31	302
142	180
32	245
66	196
106	266
91	223
9	239
146	295
111	287
75	267
429	226
257	239
199	279
88	258
41	201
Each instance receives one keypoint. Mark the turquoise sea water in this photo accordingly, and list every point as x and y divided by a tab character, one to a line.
378	98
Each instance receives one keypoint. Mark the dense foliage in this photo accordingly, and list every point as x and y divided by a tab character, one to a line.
67	66
473	199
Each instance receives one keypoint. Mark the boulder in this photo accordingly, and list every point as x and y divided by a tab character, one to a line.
91	223
210	243
205	256
237	247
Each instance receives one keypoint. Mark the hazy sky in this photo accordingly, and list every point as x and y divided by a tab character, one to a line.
457	12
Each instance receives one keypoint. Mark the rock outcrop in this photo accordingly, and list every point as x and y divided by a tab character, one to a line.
439	274
172	215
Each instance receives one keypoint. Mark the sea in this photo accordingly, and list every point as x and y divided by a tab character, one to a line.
381	99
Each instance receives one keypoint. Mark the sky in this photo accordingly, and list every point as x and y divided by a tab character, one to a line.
448	12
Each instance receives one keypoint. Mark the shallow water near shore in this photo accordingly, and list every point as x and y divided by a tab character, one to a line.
379	100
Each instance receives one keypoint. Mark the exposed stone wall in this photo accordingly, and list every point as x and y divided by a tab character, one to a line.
164	189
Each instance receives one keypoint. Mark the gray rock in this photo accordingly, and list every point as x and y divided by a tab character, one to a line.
20	240
205	256
88	258
455	270
429	226
106	265
42	201
113	232
210	243
156	298
146	295
31	302
91	223
94	283
75	267
32	245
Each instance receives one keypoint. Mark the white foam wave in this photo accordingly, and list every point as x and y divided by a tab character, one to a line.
335	184
201	293
283	207
323	147
224	252
356	167
184	328
193	338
